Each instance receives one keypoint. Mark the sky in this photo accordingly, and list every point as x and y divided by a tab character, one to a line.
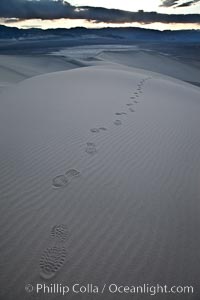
154	14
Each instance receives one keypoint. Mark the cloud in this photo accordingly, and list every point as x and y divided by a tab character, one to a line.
52	10
34	9
169	3
188	3
176	3
118	16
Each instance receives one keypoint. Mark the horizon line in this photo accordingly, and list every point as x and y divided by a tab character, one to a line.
98	28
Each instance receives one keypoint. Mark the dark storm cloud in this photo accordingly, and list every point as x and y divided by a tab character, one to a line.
42	9
50	10
177	3
99	14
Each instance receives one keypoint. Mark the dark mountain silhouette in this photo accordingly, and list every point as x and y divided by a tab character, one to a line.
14	40
129	33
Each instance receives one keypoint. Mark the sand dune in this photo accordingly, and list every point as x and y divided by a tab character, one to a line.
15	68
155	62
99	181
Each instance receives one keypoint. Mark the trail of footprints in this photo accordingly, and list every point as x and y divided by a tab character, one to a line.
63	180
54	257
91	147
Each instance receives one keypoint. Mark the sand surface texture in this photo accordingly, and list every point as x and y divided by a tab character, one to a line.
100	172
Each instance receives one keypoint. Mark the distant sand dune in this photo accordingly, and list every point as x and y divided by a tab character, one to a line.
15	68
154	62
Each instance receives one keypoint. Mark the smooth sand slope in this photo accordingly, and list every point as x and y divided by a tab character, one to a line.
15	68
155	62
136	56
100	172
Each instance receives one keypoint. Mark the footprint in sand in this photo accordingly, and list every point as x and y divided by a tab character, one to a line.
117	122
59	233
94	130
91	148
60	181
103	128
51	261
131	109
136	101
72	173
132	97
129	104
120	114
63	180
